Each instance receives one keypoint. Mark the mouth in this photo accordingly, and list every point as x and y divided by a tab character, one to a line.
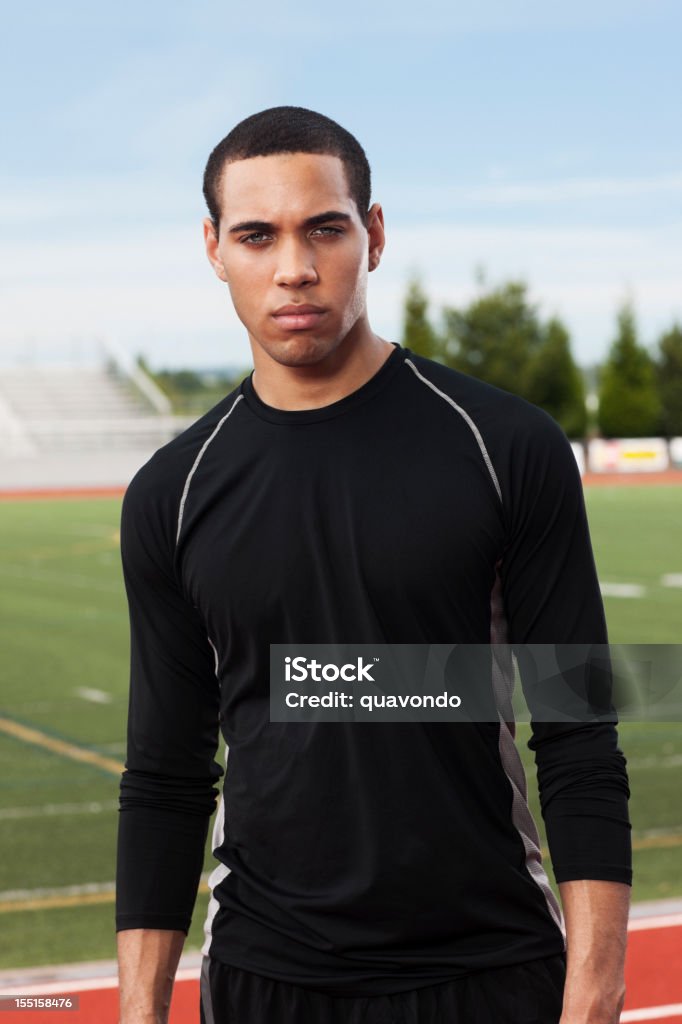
298	318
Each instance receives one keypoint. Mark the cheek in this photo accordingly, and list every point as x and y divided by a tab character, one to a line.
349	276
355	283
246	303
247	285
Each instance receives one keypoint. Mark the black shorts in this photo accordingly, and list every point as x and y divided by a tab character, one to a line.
529	993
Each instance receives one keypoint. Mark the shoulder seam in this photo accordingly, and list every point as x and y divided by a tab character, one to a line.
195	465
467	418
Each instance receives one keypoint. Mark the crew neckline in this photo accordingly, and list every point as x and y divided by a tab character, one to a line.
324	412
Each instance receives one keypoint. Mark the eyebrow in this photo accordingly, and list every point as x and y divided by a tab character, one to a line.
310	222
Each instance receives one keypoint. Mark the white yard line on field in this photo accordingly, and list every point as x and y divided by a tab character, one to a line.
93	695
87	889
84	889
90	807
622	589
672	579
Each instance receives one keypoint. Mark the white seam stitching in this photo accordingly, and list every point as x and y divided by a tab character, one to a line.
468	419
215	655
198	459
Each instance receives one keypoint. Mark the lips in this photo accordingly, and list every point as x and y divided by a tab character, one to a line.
298	317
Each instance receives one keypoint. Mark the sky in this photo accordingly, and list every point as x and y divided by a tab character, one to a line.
527	140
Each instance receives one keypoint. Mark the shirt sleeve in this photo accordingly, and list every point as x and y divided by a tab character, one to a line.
551	596
167	791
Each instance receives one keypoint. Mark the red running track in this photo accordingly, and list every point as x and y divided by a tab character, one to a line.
666	476
653	978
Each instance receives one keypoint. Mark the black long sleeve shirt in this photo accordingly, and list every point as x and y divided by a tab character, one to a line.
358	858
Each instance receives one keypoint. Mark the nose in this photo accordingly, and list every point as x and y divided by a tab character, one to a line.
295	264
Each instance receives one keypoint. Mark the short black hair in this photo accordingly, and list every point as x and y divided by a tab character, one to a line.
289	130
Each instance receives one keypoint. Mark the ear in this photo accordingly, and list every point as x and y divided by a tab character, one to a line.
212	251
375	235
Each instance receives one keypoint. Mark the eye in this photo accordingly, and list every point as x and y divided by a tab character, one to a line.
332	231
255	238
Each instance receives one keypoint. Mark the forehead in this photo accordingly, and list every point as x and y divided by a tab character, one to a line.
283	186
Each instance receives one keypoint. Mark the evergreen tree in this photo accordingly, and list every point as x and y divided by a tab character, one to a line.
500	338
555	383
495	337
418	333
629	405
669	376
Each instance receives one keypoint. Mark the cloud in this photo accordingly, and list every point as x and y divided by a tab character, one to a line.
431	197
575	188
96	204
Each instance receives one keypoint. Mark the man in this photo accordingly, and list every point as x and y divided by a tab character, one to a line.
349	491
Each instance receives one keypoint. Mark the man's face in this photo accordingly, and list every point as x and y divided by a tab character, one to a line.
291	235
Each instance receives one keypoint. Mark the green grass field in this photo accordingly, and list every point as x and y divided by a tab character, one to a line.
63	637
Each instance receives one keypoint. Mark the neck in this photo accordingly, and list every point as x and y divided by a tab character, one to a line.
311	385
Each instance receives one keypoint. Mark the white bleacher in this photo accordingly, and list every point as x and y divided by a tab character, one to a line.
80	425
49	393
80	409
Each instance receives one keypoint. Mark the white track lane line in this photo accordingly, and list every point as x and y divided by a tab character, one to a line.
643	924
67	987
652	1013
